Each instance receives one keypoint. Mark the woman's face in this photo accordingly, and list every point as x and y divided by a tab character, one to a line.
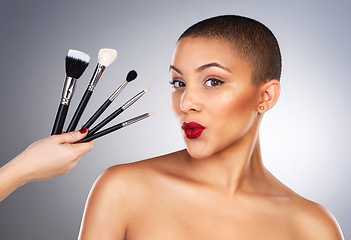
213	100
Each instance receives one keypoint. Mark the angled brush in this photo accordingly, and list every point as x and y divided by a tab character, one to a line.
76	63
130	77
105	58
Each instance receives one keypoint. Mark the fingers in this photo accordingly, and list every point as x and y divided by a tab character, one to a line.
83	148
72	137
68	139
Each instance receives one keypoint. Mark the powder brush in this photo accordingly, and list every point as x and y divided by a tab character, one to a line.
76	63
105	58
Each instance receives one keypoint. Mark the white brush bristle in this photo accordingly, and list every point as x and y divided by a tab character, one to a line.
147	89
78	55
107	56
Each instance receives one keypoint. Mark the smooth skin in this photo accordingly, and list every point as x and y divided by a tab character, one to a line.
218	187
47	158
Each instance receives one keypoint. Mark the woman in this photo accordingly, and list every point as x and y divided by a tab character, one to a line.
225	73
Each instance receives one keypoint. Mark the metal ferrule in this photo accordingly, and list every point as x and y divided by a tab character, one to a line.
96	76
133	100
68	90
118	91
134	120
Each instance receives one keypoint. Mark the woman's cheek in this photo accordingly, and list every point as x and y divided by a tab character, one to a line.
175	102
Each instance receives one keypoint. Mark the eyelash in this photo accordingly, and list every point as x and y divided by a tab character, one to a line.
219	82
174	83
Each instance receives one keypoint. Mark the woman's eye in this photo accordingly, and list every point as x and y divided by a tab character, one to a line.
213	82
177	83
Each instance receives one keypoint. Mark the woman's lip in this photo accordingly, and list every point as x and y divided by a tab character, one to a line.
192	125
192	130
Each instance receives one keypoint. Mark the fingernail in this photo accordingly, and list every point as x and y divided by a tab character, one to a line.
83	130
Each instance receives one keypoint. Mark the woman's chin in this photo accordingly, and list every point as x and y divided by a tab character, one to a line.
197	153
200	148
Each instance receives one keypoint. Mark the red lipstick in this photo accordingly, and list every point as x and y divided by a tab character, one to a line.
192	130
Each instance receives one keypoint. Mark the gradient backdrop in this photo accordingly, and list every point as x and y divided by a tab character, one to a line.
305	138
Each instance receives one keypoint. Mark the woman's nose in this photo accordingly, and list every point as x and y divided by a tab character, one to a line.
190	101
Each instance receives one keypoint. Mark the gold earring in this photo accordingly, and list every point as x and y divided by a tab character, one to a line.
262	108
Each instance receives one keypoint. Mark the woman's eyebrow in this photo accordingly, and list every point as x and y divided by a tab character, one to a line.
213	64
201	68
171	67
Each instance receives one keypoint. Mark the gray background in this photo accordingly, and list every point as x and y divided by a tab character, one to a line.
305	138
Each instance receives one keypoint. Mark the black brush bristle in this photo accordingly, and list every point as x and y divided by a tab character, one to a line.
76	63
131	76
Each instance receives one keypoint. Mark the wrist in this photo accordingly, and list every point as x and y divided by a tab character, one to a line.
17	173
11	178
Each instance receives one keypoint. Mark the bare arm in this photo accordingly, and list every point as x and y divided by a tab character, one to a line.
47	158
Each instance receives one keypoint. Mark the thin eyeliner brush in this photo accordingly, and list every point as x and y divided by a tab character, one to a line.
130	77
115	127
117	112
76	63
105	58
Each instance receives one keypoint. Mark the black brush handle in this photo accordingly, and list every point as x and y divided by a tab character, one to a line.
102	133
60	119
79	111
97	114
105	121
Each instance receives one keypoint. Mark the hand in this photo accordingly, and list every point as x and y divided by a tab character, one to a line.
53	156
47	158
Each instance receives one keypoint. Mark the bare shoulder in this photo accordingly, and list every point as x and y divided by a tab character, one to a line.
304	219
123	183
118	193
313	221
119	180
141	170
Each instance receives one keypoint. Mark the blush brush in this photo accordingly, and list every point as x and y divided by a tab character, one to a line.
117	112
105	58
76	63
130	77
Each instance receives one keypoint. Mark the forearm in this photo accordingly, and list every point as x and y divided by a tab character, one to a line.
11	177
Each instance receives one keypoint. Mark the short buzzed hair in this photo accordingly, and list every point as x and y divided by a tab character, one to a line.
253	42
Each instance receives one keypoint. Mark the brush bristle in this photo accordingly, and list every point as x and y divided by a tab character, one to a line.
107	56
76	63
131	76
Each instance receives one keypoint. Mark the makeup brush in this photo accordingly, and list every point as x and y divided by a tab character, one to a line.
76	63
114	128
105	58
116	113
130	77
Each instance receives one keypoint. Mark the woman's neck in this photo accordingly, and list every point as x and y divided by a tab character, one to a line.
238	167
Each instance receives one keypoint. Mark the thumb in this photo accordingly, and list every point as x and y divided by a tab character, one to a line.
73	137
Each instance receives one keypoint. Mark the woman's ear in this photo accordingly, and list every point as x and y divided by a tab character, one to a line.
270	95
